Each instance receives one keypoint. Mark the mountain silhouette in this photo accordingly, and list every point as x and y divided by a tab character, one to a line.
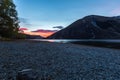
91	27
33	36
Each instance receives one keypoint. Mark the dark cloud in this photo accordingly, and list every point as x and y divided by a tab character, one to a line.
22	29
25	22
59	27
43	30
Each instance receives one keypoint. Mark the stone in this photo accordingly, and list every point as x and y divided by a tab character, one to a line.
27	74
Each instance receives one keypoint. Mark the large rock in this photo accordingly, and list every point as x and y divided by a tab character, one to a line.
27	74
91	27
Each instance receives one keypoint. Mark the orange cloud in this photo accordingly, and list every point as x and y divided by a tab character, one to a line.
22	29
40	32
43	34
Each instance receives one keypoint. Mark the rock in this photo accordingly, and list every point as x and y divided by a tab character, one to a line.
27	74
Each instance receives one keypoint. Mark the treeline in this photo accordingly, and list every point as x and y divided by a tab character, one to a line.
9	22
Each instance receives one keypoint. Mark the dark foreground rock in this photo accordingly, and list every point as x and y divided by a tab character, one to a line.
55	61
27	74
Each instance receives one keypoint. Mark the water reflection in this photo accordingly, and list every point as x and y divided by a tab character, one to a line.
110	43
78	40
56	40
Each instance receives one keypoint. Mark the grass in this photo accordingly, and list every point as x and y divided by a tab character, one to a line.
5	39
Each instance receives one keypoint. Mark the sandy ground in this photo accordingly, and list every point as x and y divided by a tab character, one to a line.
56	61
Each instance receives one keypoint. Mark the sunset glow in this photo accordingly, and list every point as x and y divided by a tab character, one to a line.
46	34
42	33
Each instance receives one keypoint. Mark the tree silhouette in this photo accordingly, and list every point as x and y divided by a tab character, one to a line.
8	19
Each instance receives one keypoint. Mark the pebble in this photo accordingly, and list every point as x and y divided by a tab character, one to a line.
57	61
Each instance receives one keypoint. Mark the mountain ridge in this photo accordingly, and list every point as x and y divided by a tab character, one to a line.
91	27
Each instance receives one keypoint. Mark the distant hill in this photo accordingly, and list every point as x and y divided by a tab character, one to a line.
91	27
33	36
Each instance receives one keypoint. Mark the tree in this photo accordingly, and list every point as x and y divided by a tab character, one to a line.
8	19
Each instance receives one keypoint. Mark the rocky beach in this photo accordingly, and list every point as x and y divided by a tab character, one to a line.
58	61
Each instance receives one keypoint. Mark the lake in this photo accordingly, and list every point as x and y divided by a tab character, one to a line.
111	43
78	40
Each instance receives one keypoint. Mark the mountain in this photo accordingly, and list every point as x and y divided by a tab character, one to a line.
91	27
33	36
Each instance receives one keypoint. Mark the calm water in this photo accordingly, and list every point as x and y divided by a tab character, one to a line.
78	40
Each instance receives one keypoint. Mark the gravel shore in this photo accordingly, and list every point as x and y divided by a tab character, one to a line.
57	61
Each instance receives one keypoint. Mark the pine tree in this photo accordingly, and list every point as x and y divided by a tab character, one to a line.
8	19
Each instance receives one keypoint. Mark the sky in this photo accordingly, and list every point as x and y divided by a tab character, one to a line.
46	14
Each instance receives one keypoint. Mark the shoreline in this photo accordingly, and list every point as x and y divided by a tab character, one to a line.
109	45
59	61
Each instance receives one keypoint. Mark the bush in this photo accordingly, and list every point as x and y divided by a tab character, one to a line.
21	36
